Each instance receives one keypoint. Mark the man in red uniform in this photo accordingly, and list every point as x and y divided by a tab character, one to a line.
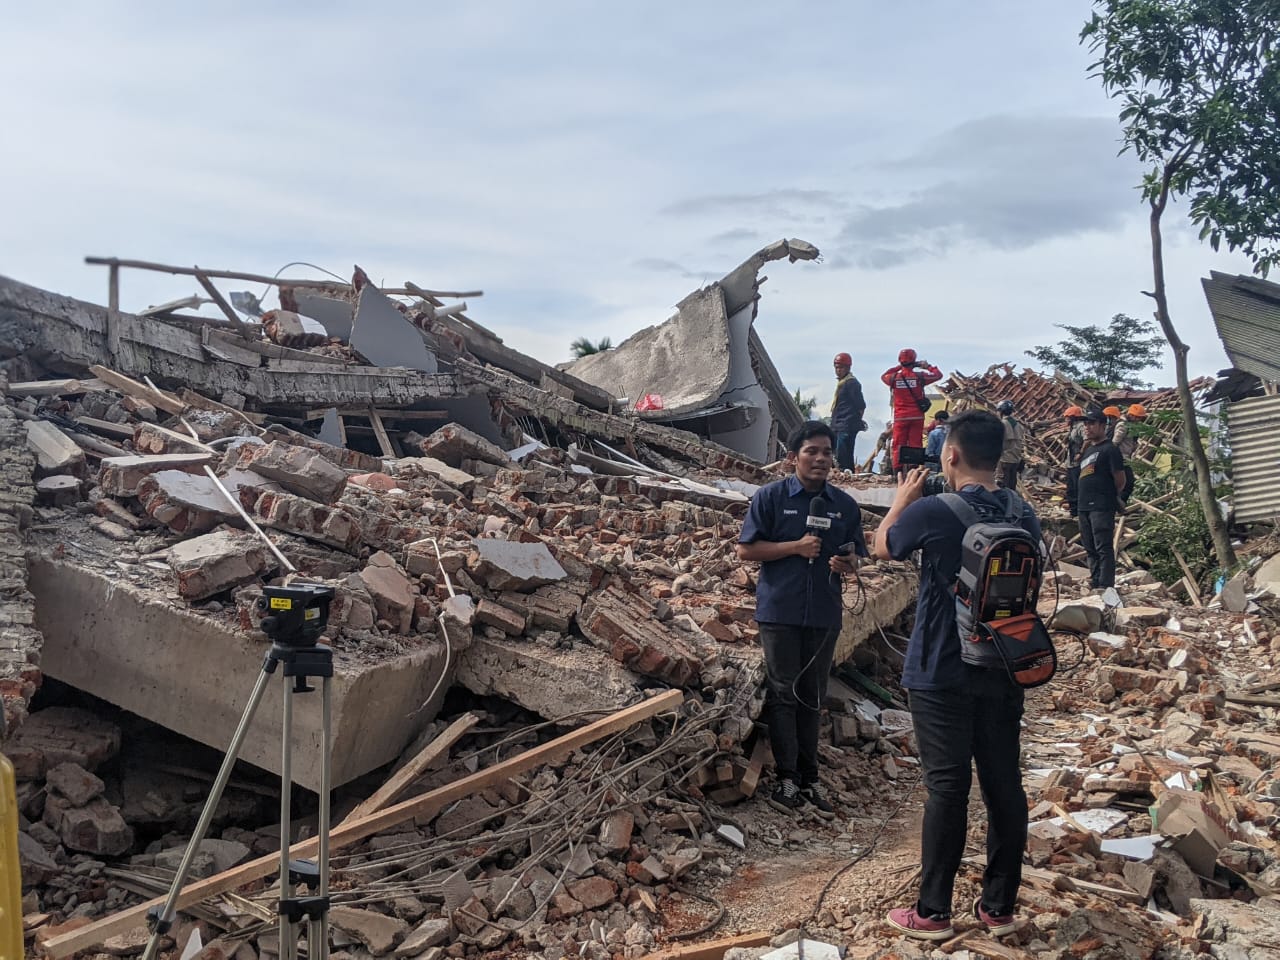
906	382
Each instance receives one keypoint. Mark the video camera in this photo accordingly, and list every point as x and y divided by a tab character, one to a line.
935	483
295	615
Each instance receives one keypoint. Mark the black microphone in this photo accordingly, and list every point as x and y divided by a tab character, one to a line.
817	522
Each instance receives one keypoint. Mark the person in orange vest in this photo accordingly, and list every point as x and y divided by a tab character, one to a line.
906	383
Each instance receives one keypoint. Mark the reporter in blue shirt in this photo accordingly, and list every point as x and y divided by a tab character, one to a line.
799	601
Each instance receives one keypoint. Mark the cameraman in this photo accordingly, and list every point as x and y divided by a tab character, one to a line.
962	714
799	604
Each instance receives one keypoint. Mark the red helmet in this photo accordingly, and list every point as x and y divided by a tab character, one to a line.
906	355
843	360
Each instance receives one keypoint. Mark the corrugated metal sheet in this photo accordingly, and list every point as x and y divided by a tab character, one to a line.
1253	426
1246	311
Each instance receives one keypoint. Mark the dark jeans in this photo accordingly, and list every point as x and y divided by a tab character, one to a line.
977	723
845	441
797	662
1097	536
1009	475
1073	483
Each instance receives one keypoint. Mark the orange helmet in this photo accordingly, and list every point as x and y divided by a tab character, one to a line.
1073	411
1112	411
1138	411
844	360
906	355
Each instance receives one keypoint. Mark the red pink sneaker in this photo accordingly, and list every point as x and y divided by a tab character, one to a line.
910	922
997	925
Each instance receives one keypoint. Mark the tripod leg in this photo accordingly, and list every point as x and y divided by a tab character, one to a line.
170	908
288	933
318	939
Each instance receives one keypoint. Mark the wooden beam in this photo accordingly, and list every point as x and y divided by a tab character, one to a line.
121	431
115	263
385	413
222	304
414	768
113	313
712	949
380	431
47	388
423	805
130	387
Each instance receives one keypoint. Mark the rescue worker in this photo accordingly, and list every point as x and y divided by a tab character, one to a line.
847	409
1112	413
1075	446
1127	443
1012	456
906	383
1123	437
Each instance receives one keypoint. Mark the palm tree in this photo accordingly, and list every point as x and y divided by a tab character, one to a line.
583	347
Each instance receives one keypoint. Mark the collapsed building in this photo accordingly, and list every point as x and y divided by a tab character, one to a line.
513	536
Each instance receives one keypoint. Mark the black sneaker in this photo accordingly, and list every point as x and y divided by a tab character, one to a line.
816	795
786	797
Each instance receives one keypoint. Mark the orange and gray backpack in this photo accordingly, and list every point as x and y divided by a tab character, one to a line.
1001	569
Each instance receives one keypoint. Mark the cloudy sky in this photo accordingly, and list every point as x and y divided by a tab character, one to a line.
589	164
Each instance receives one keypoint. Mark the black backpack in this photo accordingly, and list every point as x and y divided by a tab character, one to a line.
1001	570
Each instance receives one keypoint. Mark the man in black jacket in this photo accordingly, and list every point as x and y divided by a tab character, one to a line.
847	409
1102	478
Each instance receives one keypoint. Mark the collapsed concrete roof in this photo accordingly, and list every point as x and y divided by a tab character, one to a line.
708	364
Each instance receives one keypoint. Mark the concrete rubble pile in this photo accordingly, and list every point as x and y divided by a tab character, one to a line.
559	590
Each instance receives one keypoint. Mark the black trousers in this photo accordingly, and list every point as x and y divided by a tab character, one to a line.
975	723
1009	473
1097	536
797	663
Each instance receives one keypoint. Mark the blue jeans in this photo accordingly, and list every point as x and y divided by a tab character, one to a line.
844	448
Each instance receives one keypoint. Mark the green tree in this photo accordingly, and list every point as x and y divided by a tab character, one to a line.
805	404
583	347
1199	101
1112	357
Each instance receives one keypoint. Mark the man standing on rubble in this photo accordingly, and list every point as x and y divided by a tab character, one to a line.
906	383
847	409
1101	482
963	715
1011	458
795	530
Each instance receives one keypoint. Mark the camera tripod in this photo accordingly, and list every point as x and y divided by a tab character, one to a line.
298	614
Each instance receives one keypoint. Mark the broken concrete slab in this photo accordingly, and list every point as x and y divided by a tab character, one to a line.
299	470
626	626
550	682
96	827
417	466
217	561
74	783
55	452
430	933
131	648
120	476
1246	931
454	443
58	735
390	589
512	565
336	526
377	931
185	503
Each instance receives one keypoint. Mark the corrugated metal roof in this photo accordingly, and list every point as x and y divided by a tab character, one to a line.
1255	458
1246	311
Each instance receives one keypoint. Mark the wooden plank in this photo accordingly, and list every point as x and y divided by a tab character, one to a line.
414	768
760	756
121	431
116	262
130	387
47	388
380	431
1192	589
712	949
182	438
222	304
345	834
113	312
